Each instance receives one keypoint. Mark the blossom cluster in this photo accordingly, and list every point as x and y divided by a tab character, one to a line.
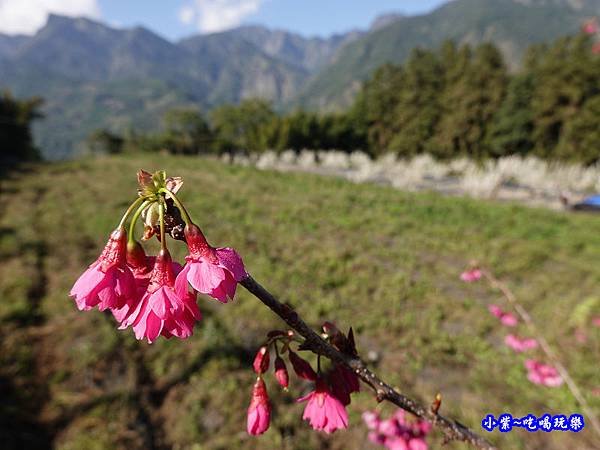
326	404
155	295
397	433
537	372
531	423
592	28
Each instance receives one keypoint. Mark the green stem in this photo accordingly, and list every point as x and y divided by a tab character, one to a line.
135	218
186	217
129	211
161	215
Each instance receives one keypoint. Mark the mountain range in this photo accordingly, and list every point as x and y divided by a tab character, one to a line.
95	76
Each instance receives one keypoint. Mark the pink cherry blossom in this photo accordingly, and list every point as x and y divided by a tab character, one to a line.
259	411
108	282
506	318
141	267
543	374
472	275
162	311
520	345
212	271
371	420
323	410
397	433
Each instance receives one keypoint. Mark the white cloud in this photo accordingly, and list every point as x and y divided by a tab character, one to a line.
28	16
187	14
210	16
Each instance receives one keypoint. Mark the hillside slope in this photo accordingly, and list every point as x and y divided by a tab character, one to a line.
380	260
513	25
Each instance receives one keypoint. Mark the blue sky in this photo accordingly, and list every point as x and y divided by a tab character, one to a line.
177	18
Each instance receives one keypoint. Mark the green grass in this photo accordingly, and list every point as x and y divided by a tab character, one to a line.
383	261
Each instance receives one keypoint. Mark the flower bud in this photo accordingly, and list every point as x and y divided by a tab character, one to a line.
259	411
136	256
302	367
281	373
261	360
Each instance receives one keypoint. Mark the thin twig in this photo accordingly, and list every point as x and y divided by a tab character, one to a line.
452	429
562	370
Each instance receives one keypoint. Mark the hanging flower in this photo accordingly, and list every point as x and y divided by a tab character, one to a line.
162	310
520	345
259	411
470	276
108	282
506	318
209	270
324	411
397	433
543	374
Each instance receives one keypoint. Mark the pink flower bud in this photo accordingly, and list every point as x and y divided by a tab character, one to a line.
302	367
261	360
259	411
281	373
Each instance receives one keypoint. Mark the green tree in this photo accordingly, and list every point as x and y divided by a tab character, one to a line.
474	92
16	117
566	74
417	109
186	132
512	125
580	139
376	104
242	127
104	142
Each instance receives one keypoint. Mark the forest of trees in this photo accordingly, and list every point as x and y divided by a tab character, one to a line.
454	101
16	117
464	101
449	102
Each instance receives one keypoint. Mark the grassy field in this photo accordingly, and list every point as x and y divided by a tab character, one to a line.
383	261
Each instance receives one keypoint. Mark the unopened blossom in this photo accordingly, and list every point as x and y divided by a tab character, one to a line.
209	270
544	374
281	372
162	310
470	276
259	411
506	318
261	360
108	282
324	411
302	367
520	345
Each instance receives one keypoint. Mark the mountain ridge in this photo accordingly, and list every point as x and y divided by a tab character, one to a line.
96	76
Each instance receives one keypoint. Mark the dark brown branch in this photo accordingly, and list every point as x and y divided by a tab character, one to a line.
452	429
